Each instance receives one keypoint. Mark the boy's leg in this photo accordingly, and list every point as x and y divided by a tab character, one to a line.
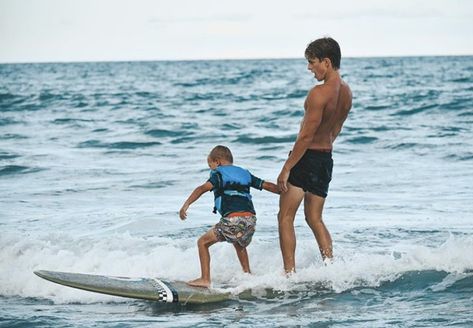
243	257
289	202
204	242
313	207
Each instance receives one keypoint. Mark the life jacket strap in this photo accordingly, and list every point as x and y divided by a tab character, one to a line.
237	193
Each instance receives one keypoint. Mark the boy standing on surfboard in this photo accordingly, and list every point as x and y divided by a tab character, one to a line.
231	186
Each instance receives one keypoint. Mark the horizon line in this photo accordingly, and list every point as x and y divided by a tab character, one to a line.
214	59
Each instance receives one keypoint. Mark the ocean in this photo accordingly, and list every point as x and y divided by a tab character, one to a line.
96	160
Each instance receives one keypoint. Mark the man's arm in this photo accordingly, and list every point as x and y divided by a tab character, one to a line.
310	123
193	197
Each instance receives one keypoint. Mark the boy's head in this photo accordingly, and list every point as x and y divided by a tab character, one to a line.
219	155
324	48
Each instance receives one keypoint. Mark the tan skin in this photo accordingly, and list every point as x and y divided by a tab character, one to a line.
326	109
210	238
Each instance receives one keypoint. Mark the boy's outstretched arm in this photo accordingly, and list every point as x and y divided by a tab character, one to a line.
193	197
269	186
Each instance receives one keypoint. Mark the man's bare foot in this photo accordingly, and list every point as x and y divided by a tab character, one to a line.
199	283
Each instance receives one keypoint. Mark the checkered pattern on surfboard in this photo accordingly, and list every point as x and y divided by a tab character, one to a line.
166	296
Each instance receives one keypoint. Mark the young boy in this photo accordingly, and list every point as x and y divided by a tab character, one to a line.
231	186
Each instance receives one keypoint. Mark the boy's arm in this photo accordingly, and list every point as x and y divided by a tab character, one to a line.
269	186
193	197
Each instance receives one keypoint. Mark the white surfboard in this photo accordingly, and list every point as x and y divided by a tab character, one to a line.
142	288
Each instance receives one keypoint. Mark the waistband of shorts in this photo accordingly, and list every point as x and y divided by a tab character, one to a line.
238	219
239	214
319	152
316	151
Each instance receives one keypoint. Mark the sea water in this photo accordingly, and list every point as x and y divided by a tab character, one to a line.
97	158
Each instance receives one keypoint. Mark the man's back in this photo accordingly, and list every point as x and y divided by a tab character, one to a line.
337	98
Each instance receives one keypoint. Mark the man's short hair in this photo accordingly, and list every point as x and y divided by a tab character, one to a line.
221	152
324	48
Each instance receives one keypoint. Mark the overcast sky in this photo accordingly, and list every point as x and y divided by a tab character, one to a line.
97	30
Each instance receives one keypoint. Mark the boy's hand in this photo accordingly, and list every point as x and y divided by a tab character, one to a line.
193	197
183	212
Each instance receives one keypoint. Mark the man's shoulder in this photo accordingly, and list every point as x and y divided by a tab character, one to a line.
346	94
318	95
326	91
344	85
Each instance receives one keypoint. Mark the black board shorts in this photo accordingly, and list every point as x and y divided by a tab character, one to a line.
313	172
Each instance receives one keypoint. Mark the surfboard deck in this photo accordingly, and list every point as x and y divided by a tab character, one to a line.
152	289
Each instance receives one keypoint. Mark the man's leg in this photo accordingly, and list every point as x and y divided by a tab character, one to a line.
289	202
313	207
242	257
204	242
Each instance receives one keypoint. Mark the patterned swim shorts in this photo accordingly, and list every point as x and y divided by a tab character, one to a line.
236	229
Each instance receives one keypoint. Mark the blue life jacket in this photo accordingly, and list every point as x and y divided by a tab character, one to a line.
235	194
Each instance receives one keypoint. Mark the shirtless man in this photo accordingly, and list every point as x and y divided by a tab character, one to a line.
308	170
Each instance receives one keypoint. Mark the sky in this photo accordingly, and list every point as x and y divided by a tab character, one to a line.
115	30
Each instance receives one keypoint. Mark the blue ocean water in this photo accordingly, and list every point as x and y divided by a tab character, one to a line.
97	158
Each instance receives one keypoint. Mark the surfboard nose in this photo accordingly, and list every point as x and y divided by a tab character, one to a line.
40	273
47	275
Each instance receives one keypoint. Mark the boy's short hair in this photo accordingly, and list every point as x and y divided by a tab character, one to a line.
324	48
221	152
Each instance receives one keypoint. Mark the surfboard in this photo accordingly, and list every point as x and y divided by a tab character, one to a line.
152	289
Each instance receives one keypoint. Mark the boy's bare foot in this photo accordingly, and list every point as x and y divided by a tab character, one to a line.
328	261
199	283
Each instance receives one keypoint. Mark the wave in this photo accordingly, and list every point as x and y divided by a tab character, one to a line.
299	93
268	158
7	155
10	98
8	121
458	104
45	96
204	96
284	94
415	110
466	113
231	126
265	140
468	156
404	145
71	120
13	103
465	79
17	169
427	279
242	77
160	133
362	140
43	99
12	136
124	145
377	107
153	185
445	267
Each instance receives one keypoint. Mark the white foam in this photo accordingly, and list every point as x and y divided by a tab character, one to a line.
126	255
